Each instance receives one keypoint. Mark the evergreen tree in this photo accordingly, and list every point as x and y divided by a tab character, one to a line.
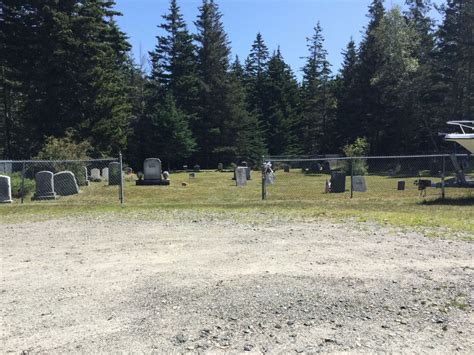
396	41
454	60
174	60
371	112
348	120
318	102
222	117
256	67
424	95
283	97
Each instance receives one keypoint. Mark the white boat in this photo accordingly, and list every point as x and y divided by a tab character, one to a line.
466	138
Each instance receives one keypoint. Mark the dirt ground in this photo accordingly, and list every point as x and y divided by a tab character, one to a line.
93	285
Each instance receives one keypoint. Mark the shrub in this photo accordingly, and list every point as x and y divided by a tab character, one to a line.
64	149
28	188
359	148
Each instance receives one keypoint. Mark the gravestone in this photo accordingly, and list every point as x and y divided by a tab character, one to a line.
152	173
6	167
95	175
338	182
286	168
401	185
248	172
197	168
358	184
105	173
220	167
114	173
82	177
241	176
65	183
44	186
5	189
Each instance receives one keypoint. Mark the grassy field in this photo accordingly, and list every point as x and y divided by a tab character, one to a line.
294	195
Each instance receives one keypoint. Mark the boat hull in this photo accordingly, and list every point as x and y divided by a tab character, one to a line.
466	140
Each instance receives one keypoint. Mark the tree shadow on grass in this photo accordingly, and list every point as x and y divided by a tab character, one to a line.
451	201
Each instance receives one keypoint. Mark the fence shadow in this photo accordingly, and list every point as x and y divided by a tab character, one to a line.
451	201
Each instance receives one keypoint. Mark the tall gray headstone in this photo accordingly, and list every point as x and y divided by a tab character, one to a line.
220	167
358	184
82	177
152	169
65	183
5	189
241	176
114	173
44	186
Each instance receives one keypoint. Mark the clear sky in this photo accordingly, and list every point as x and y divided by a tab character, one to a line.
282	22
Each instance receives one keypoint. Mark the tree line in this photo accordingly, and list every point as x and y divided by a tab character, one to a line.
67	72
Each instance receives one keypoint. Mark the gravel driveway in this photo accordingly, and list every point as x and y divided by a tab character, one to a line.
103	285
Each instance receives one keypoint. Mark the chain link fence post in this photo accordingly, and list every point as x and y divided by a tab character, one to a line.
264	180
352	177
121	179
22	189
443	175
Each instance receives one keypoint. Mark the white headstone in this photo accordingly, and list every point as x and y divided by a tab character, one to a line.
5	189
95	174
241	176
65	183
152	169
358	184
44	186
105	173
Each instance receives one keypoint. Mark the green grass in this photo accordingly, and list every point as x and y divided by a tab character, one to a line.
294	196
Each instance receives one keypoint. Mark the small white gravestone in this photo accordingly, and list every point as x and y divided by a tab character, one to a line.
44	186
358	184
105	173
241	176
5	189
95	174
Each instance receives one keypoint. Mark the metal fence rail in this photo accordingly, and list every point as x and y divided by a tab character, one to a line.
93	181
369	176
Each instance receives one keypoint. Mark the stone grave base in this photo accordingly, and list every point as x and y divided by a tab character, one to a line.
6	201
51	196
152	182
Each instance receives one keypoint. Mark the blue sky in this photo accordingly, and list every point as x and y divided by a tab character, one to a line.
282	22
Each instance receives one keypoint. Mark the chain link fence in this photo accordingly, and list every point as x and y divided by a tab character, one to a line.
85	182
307	178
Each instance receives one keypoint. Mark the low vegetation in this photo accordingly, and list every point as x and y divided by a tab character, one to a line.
294	196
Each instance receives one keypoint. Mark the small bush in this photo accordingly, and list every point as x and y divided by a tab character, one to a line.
28	188
359	148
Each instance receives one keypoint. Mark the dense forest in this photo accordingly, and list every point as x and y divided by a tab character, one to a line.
67	73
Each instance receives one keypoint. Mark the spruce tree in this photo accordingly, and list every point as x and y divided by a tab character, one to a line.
318	101
454	60
371	112
222	117
282	93
348	120
174	60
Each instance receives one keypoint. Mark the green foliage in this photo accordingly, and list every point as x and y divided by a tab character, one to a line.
397	88
359	148
64	149
28	187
